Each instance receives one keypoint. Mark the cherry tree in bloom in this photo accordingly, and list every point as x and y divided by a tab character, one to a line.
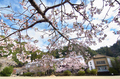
72	63
62	26
11	47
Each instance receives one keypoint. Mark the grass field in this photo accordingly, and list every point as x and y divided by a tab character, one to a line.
64	77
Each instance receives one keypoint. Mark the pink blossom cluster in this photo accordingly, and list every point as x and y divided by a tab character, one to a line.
24	56
65	27
76	62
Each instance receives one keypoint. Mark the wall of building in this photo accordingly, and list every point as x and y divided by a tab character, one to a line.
109	62
100	59
100	62
91	64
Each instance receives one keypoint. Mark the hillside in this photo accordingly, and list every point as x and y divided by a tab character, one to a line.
112	51
76	48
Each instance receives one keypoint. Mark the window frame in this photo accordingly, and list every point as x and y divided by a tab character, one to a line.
100	62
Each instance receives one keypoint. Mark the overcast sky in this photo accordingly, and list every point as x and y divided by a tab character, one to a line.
111	37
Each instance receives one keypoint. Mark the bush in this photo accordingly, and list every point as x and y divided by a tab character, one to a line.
67	73
81	73
40	73
93	71
7	71
28	74
88	71
112	70
50	72
0	65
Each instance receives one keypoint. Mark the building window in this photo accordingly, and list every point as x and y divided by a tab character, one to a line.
102	68
90	63
91	68
100	62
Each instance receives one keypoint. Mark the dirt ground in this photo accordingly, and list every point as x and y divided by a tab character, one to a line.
64	77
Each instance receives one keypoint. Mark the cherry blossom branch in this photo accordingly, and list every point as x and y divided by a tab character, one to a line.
117	2
42	3
79	12
54	42
5	7
107	12
42	14
62	3
40	21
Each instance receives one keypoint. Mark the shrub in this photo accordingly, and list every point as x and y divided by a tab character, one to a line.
93	71
7	71
81	73
67	73
28	74
0	65
40	73
88	71
50	72
112	70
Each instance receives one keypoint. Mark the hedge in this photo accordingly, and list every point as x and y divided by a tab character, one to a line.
7	71
67	73
81	73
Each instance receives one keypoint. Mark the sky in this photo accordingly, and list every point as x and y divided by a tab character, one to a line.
109	40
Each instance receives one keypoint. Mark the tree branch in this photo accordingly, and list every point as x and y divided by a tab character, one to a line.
45	18
117	2
23	29
55	6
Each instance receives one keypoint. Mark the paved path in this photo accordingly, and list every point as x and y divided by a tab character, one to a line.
65	77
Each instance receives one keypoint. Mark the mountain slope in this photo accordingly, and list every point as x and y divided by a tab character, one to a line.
112	51
76	48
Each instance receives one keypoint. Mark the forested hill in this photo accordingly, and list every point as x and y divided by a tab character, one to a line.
112	51
76	48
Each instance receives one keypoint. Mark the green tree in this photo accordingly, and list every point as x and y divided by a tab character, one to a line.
108	52
81	73
93	71
112	70
112	51
92	52
7	71
67	73
88	71
0	65
116	64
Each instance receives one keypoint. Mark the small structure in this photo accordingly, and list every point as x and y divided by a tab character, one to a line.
100	62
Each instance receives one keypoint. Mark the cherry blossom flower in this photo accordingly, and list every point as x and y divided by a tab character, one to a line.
61	24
